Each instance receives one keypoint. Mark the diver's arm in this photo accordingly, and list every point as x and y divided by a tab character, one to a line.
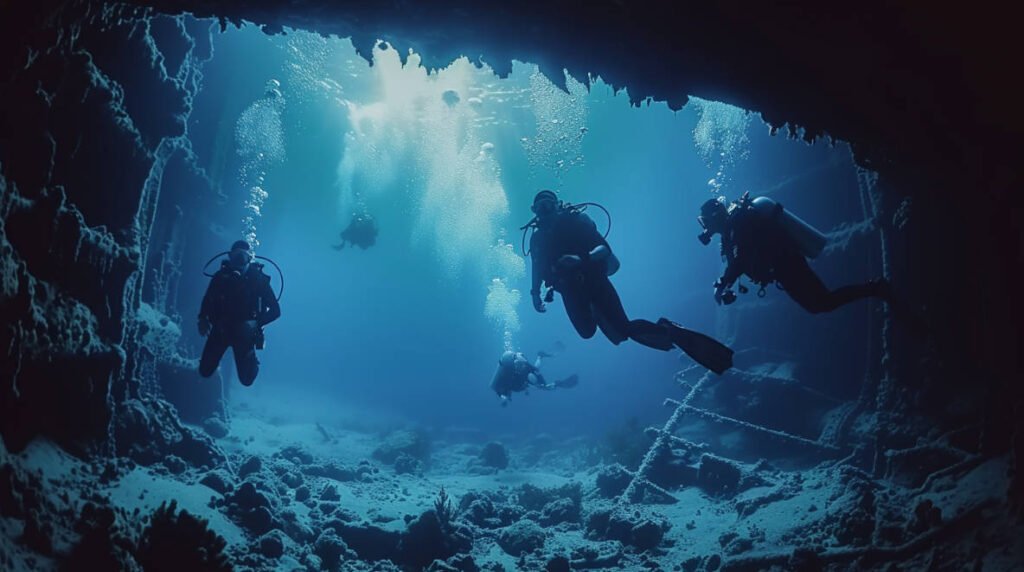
206	307
600	253
730	276
537	274
731	253
495	379
271	309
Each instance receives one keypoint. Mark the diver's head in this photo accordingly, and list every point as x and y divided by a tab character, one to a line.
545	204
240	254
713	214
507	359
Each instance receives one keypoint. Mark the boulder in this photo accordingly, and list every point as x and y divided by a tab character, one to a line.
251	465
408	442
272	545
494	455
612	480
521	538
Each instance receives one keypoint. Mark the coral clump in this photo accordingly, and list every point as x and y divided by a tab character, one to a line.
176	540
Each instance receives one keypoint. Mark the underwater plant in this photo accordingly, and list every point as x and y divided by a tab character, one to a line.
444	509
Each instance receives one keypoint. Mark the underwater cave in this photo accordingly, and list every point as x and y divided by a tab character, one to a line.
552	278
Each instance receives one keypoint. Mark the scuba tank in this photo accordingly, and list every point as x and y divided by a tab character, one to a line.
810	240
578	208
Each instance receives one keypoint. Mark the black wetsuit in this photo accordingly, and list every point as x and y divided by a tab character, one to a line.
589	297
760	247
516	378
238	305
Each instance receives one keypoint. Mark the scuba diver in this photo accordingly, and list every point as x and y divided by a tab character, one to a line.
770	244
572	258
361	232
515	373
238	303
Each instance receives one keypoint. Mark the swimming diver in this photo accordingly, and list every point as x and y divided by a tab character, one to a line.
515	373
771	245
572	258
238	303
361	232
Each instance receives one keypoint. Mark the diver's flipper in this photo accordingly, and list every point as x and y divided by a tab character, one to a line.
650	334
703	349
571	381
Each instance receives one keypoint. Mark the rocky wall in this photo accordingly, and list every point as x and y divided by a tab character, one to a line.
95	104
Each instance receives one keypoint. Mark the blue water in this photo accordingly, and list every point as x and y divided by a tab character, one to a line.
402	333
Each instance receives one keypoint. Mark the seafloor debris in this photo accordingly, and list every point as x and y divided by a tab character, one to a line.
326	507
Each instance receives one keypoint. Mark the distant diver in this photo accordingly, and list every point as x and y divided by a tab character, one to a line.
238	303
515	374
771	245
361	232
572	258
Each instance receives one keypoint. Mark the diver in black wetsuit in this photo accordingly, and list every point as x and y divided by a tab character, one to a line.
771	245
515	374
361	232
238	303
573	259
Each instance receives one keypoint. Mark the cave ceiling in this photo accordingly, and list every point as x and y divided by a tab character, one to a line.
913	84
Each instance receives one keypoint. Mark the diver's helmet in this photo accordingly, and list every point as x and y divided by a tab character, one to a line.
240	254
544	203
712	215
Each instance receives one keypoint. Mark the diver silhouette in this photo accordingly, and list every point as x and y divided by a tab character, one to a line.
572	258
769	244
361	232
238	303
515	373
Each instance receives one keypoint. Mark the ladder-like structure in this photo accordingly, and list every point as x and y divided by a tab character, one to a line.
641	487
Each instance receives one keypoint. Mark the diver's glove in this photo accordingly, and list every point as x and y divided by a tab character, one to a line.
538	304
204	326
723	294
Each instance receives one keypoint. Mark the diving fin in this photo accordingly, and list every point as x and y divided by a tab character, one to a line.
571	381
650	334
703	349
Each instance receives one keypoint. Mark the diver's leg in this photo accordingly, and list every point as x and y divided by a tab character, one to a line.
846	294
577	306
807	289
657	336
803	285
246	363
611	316
213	350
